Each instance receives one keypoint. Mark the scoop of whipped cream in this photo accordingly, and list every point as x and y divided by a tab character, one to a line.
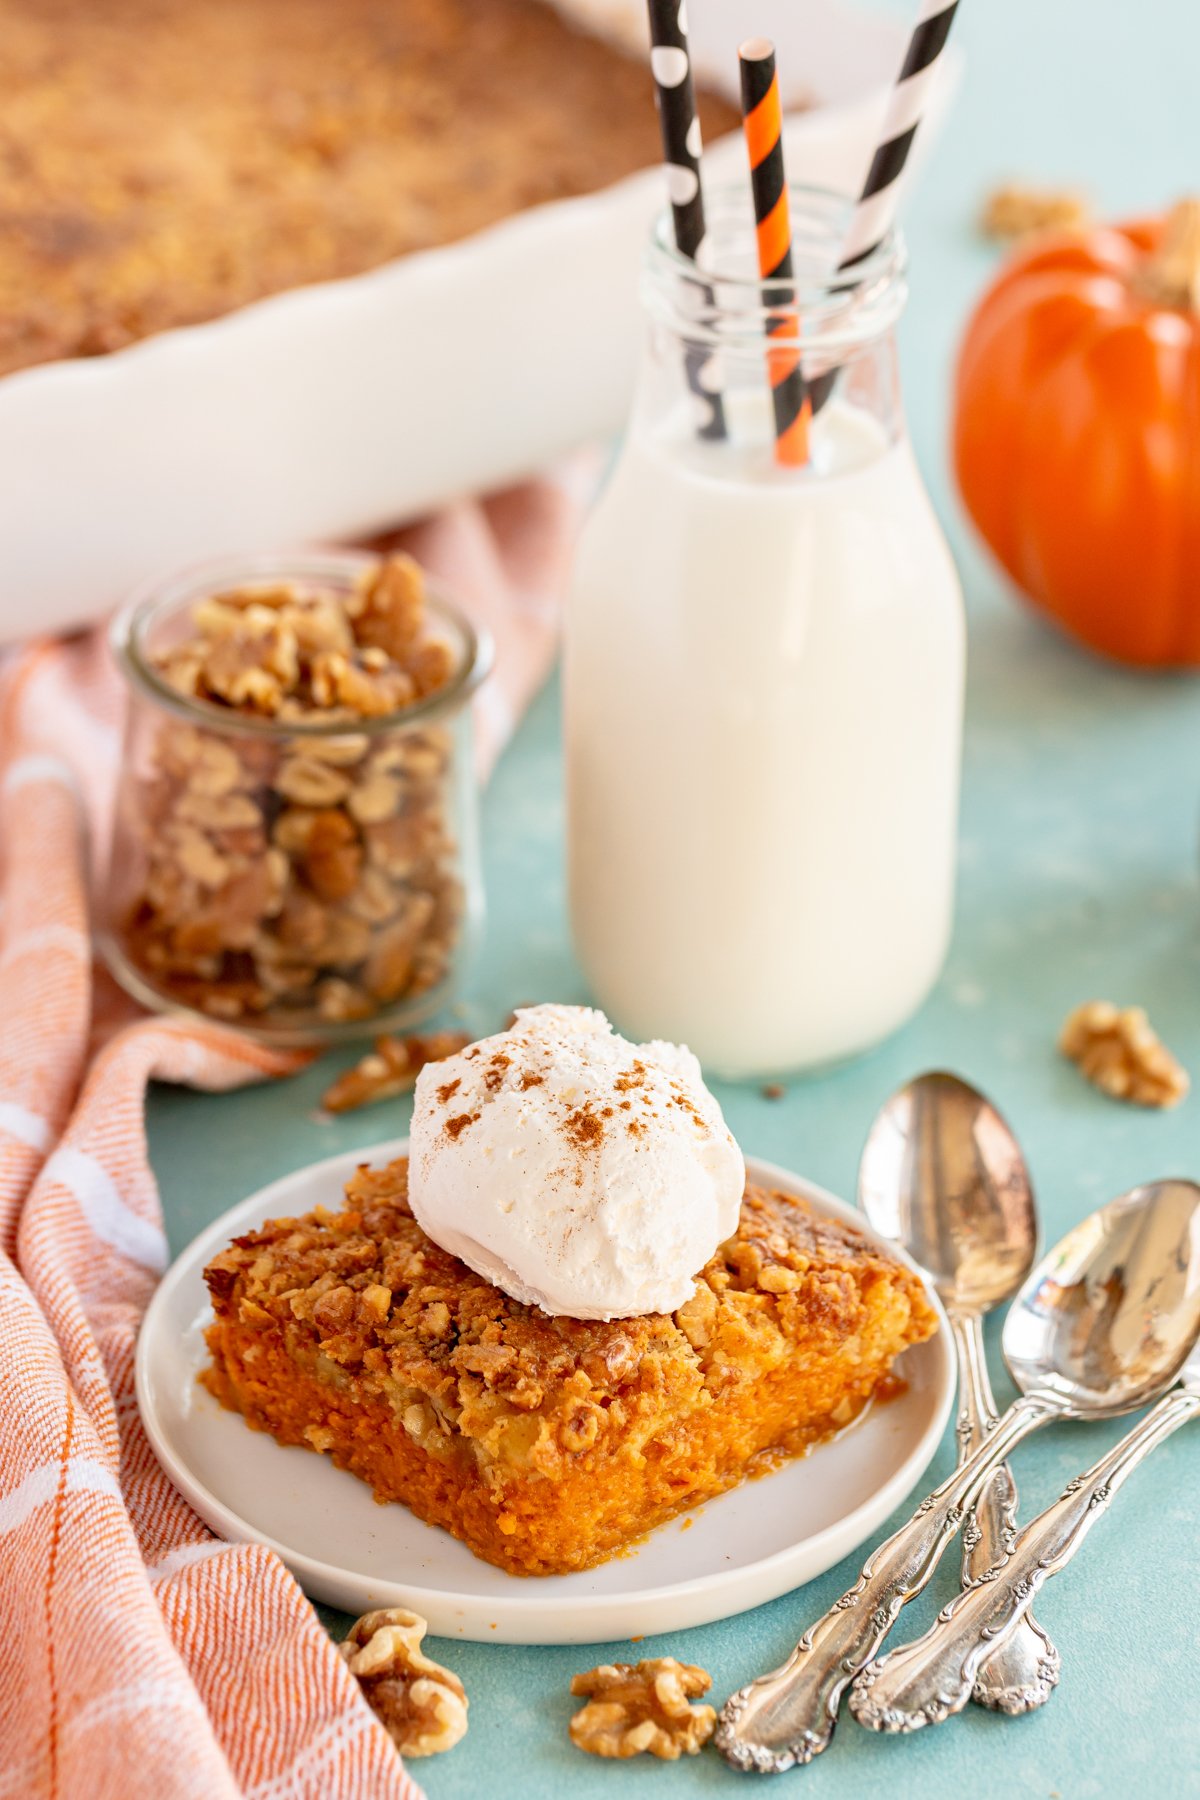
579	1172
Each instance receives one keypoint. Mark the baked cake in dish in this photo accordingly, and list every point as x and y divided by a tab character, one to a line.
164	163
547	1444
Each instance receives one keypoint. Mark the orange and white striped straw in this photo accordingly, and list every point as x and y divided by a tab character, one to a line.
762	116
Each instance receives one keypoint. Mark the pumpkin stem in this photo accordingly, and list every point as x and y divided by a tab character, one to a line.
1170	275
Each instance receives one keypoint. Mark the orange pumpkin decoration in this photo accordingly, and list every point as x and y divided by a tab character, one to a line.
1077	433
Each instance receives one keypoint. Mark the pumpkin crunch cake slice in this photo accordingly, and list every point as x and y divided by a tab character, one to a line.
548	1443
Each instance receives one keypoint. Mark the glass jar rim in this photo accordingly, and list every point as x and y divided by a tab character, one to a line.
840	309
335	567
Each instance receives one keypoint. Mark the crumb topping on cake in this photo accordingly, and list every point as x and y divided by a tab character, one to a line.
386	1301
164	164
547	1443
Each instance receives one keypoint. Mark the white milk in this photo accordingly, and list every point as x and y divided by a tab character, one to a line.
763	689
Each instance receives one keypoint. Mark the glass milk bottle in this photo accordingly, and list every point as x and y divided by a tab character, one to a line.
763	675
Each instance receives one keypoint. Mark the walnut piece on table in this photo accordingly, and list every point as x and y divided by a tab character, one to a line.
389	1069
1016	211
645	1706
421	1705
1119	1052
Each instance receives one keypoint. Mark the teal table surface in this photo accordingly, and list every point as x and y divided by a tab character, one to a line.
1078	878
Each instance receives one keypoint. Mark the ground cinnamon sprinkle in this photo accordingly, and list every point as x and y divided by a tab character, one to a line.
531	1081
633	1077
445	1094
583	1128
455	1127
496	1070
689	1107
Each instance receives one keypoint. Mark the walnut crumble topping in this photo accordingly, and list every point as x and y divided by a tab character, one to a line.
297	877
254	149
637	1707
546	1443
422	1705
1119	1052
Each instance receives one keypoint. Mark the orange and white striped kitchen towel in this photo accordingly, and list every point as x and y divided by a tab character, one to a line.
139	1655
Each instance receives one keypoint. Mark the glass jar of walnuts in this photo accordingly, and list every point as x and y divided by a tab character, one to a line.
294	846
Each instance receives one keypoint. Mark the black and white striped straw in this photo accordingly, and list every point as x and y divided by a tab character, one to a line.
675	96
876	208
877	203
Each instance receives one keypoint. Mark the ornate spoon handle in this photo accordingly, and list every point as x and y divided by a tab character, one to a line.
922	1683
788	1717
1023	1672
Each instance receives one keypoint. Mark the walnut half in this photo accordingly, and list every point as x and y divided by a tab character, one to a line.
635	1707
1119	1052
1013	212
422	1706
389	1069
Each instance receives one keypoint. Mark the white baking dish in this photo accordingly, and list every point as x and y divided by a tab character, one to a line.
337	409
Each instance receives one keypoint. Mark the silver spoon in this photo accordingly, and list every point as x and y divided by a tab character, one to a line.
924	1682
1102	1326
943	1176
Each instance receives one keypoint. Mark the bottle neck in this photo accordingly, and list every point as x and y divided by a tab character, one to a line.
714	336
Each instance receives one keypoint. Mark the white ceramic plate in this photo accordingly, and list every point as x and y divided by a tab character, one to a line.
346	406
732	1553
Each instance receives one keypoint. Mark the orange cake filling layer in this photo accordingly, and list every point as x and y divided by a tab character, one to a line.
547	1444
